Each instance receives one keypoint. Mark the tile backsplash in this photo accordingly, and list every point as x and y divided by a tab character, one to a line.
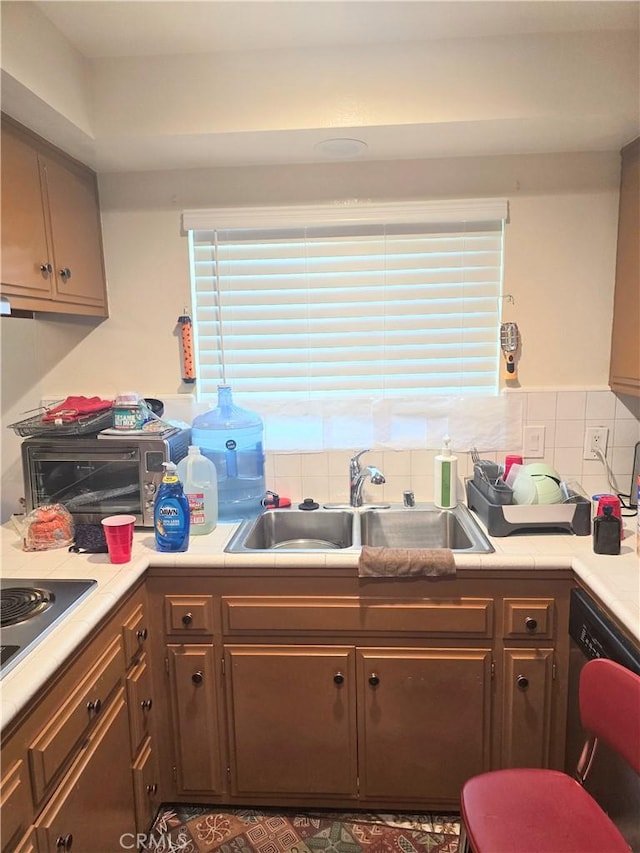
565	415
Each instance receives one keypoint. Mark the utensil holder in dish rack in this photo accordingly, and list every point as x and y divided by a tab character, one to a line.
495	492
503	520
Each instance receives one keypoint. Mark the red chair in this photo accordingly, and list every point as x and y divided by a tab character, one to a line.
545	811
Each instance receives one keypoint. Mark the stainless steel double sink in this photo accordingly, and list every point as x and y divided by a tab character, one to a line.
306	531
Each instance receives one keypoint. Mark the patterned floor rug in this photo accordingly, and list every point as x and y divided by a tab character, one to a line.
200	829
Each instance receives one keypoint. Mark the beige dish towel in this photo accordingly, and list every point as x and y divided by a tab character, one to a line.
406	562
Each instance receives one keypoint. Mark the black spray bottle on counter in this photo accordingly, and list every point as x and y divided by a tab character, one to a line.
606	532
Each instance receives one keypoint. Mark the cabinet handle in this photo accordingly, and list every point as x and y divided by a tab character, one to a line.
64	842
374	679
46	268
152	789
65	273
142	635
338	678
522	681
187	619
95	705
530	623
146	704
197	677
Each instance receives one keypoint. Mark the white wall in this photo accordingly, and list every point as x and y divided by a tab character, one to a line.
559	267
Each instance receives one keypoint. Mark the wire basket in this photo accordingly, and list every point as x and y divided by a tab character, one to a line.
83	425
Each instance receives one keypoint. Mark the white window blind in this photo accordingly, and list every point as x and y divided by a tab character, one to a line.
321	307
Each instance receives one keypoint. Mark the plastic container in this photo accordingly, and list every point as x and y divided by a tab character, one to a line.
614	502
200	484
171	513
129	411
445	476
231	438
606	532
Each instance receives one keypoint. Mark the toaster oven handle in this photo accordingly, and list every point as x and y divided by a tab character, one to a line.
84	456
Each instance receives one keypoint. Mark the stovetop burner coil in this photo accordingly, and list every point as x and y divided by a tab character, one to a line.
18	604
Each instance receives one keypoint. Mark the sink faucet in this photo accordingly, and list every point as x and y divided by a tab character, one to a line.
357	476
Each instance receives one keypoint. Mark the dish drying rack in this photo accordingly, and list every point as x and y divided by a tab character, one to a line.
83	425
504	517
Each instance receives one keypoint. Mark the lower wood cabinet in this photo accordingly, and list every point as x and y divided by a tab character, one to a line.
424	721
93	810
193	699
71	764
292	720
338	692
527	702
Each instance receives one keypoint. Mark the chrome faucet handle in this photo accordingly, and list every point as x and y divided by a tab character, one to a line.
354	463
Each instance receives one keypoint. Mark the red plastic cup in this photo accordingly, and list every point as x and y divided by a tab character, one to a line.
118	531
511	459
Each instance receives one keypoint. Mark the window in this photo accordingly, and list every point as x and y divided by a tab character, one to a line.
312	312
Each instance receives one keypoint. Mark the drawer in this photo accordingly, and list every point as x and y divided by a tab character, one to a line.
140	702
49	752
145	787
292	615
526	618
189	614
15	803
134	634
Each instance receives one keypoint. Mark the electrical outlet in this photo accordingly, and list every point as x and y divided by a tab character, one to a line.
533	441
595	438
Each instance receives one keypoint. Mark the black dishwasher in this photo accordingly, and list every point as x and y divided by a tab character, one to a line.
611	782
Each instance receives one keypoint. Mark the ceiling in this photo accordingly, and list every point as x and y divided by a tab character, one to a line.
365	50
109	28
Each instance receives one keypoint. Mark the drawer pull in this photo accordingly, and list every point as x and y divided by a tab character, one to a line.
197	677
522	681
142	635
152	789
530	623
146	704
46	268
374	679
338	678
187	619
65	273
64	842
95	705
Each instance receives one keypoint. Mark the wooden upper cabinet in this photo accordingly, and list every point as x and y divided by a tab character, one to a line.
624	373
52	256
26	261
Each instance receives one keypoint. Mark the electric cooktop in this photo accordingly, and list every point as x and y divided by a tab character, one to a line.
30	609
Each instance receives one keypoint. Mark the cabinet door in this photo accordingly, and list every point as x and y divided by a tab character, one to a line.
25	254
145	786
527	693
92	811
292	722
15	802
424	721
195	718
624	374
140	702
76	234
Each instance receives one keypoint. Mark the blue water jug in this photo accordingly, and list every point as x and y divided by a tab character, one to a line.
231	438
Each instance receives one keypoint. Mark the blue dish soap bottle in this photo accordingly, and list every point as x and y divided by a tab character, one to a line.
171	513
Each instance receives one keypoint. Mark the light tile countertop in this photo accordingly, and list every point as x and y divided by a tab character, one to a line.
614	580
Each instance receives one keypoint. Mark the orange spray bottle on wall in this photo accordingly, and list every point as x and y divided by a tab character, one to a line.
186	334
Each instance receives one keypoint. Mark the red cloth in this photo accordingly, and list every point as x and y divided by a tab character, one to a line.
75	407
